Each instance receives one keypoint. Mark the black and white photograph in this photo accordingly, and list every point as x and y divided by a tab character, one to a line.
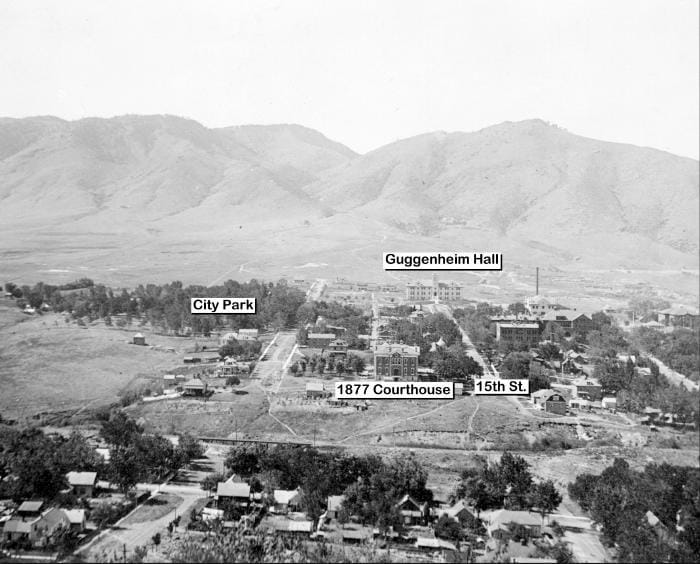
337	281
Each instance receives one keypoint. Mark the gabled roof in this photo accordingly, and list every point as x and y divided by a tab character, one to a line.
314	386
456	509
321	336
564	315
30	506
233	489
81	478
284	497
407	498
679	310
194	383
75	516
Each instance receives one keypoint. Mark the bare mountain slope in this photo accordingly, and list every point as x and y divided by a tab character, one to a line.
132	169
134	195
526	180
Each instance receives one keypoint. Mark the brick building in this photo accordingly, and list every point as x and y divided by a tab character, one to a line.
396	362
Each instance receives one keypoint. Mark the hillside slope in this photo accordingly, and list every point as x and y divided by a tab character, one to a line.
166	197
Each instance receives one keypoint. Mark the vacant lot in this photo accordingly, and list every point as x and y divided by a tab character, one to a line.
47	364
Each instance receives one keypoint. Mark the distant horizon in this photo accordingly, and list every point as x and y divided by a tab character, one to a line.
335	140
368	73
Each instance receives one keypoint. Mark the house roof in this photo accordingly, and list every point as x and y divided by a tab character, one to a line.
194	383
321	336
75	516
423	542
16	525
233	489
281	525
390	348
314	387
505	517
455	509
679	310
563	315
334	502
30	506
283	497
138	336
406	499
81	478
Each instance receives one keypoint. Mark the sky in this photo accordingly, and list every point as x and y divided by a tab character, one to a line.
364	73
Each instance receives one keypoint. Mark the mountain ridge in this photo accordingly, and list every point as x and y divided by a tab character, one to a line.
532	186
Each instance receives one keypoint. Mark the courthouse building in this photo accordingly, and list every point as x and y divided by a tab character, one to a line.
396	362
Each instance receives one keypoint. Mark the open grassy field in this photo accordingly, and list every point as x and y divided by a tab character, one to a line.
47	364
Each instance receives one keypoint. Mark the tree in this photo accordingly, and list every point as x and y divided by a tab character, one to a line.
343	516
125	468
233	380
516	365
546	497
119	431
448	528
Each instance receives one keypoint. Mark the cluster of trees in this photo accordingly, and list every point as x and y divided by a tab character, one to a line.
620	497
679	349
636	390
37	463
333	313
508	484
167	306
321	364
520	366
136	456
430	329
371	486
374	498
245	349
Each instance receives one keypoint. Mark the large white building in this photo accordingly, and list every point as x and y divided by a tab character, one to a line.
433	290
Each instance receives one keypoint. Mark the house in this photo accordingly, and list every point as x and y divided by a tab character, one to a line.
77	520
501	523
580	403
333	505
248	334
518	333
82	483
679	317
337	349
550	401
539	305
588	388
412	512
139	339
195	387
232	492
32	527
609	403
652	413
288	527
459	511
352	536
396	362
315	390
169	380
566	320
320	340
286	501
